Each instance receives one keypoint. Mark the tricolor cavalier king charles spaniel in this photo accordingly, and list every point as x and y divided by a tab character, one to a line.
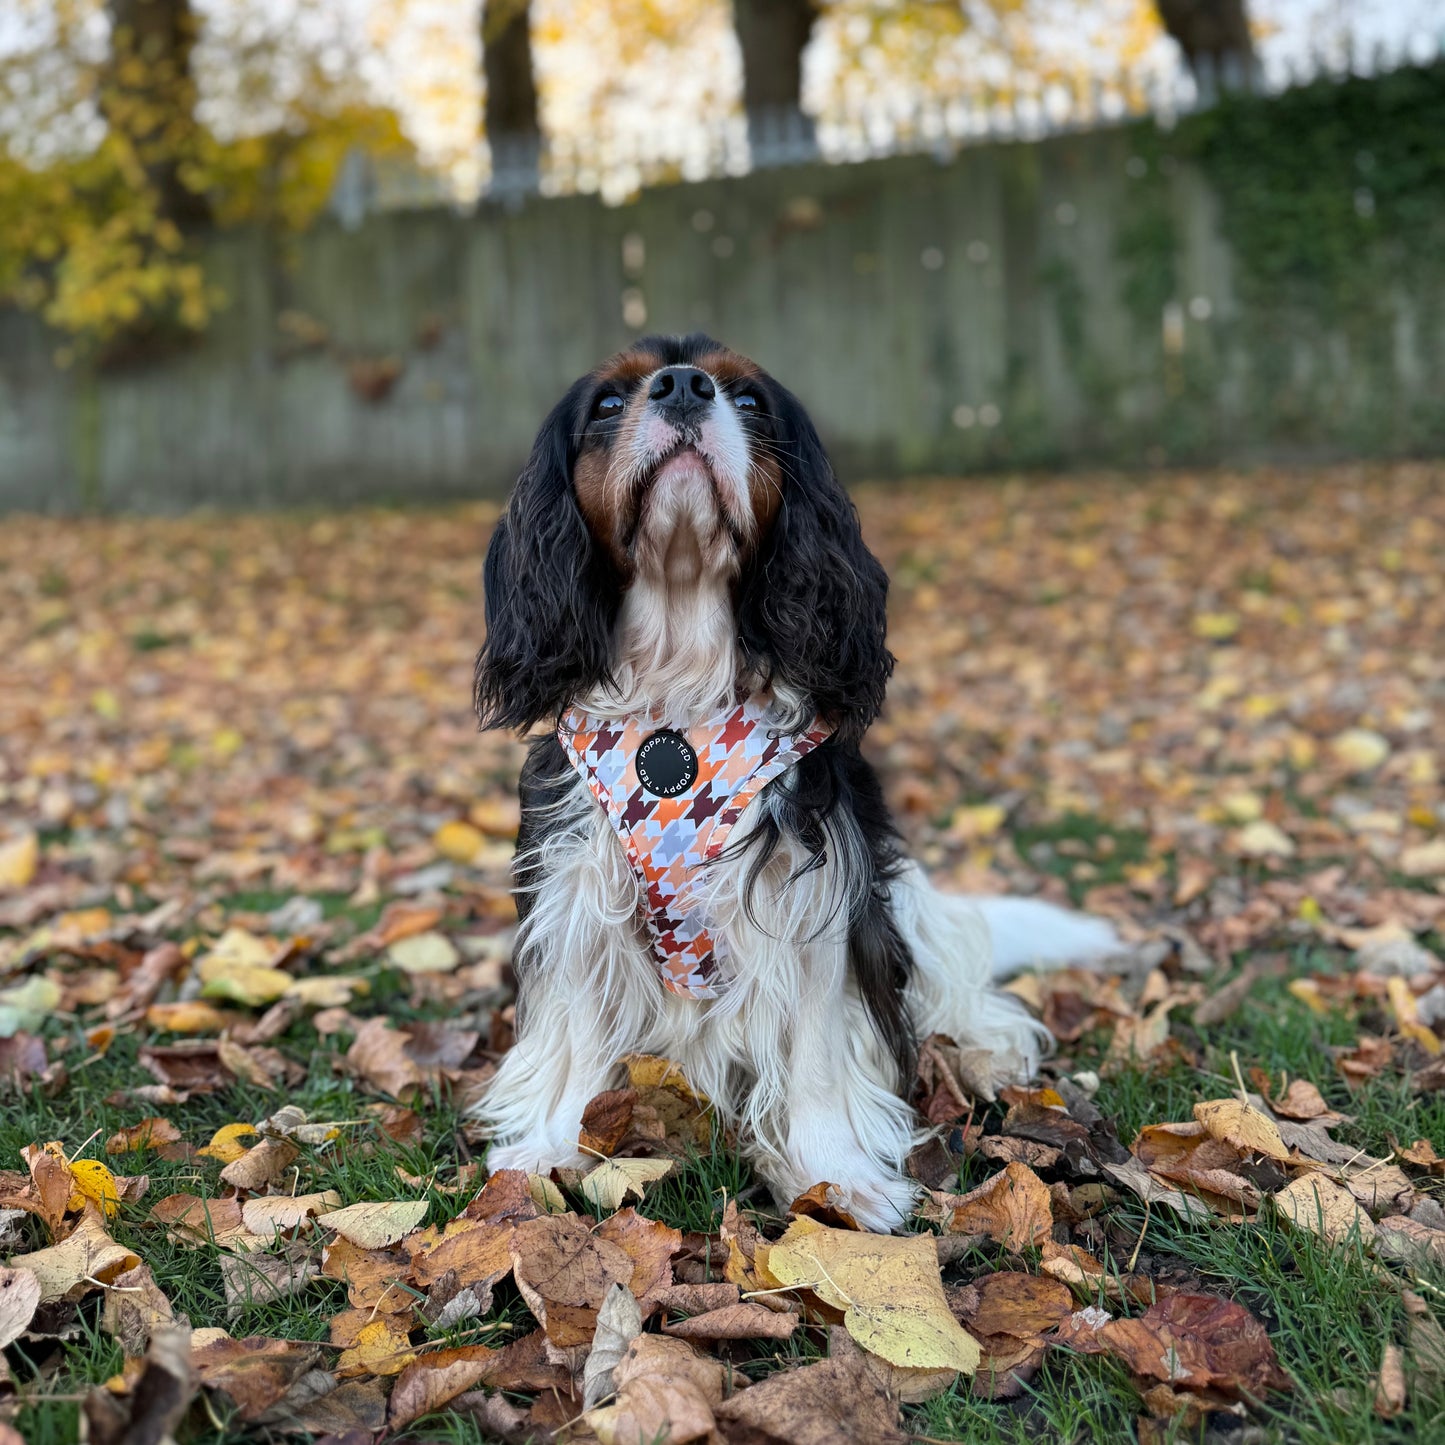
706	869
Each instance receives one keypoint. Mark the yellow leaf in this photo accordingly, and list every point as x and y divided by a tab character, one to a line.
1307	991
614	1179
424	953
458	841
334	990
381	1348
93	1181
19	858
241	982
1242	1127
1240	805
376	1225
888	1286
1216	626
1360	749
1263	839
226	1143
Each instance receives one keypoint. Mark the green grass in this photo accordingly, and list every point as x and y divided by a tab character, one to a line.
1329	1311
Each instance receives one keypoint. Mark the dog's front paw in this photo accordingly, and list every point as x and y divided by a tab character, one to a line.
880	1198
536	1155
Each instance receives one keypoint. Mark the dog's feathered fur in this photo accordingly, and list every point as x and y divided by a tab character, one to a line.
656	558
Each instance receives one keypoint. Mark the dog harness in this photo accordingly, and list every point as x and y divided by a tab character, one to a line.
673	798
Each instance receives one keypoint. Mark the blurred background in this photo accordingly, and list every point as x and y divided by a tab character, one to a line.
259	251
1125	321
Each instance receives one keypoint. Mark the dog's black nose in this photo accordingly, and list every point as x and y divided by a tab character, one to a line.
681	390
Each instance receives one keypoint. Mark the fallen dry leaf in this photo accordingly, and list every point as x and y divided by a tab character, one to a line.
564	1273
666	1394
888	1287
1012	1207
88	1258
1315	1203
619	1322
1200	1342
430	1382
608	1185
375	1224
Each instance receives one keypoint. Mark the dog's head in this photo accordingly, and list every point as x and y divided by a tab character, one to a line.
675	482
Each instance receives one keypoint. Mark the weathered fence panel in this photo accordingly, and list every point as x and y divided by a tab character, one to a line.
1077	298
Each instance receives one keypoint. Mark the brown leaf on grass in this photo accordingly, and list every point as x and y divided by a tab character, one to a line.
370	1275
201	1221
1140	1182
666	1394
261	1166
24	1064
1302	1101
1316	1203
888	1287
745	1321
88	1258
156	1403
256	1277
1200	1342
526	1365
1006	1150
51	1185
379	1058
1390	1391
1425	1344
475	1250
189	1069
150	1133
564	1273
834	1402
1225	1002
1400	1237
695	1299
506	1196
607	1121
256	1374
823	1203
159	965
1367	1060
950	1078
1012	1207
1022	1305
650	1245
1422	1155
135	1309
432	1381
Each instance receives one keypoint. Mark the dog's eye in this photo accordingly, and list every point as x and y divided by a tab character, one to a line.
745	401
608	404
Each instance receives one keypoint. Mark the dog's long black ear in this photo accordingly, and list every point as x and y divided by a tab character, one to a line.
551	592
812	606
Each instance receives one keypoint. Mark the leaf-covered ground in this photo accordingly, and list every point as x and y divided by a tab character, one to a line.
254	930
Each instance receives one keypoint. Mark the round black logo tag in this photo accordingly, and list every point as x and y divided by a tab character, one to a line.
666	764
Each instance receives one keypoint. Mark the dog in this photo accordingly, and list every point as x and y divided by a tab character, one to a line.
706	869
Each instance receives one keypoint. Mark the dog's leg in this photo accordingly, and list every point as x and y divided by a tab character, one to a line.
846	1122
589	994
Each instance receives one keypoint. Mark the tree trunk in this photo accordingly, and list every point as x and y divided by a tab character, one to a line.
148	93
1214	36
772	35
513	130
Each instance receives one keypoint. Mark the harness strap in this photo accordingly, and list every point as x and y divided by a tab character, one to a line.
673	797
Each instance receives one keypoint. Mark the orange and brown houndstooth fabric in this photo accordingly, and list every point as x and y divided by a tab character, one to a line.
673	798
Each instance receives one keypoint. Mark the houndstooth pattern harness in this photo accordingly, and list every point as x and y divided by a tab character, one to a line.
673	798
